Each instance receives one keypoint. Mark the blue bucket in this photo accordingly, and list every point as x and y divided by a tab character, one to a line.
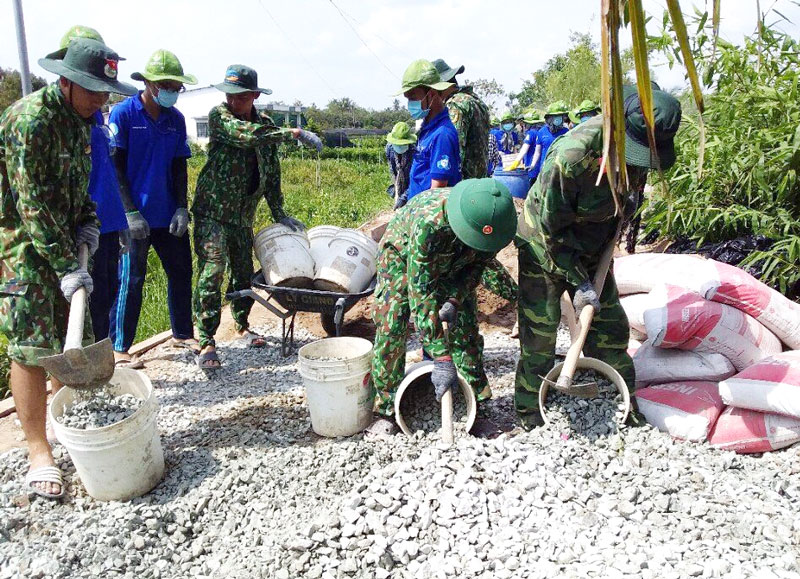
516	181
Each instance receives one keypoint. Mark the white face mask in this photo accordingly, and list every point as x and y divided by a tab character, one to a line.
400	149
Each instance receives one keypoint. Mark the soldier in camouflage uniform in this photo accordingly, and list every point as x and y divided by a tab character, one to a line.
470	115
242	168
566	224
432	257
46	214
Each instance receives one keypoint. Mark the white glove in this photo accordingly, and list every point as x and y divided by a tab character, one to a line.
89	235
180	222
74	280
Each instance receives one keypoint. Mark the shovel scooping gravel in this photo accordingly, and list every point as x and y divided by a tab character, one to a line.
78	367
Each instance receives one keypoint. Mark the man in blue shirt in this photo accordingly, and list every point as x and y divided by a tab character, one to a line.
555	125
437	160
508	139
534	122
150	157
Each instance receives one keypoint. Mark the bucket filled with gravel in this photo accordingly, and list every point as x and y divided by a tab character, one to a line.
111	435
416	408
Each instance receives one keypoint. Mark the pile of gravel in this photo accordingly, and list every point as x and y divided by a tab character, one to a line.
99	408
251	492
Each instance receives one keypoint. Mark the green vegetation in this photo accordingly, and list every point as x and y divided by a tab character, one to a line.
11	86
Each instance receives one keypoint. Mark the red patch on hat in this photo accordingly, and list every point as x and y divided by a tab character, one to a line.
110	68
487	229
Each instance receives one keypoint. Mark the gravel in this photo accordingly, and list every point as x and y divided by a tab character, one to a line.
422	413
99	408
251	492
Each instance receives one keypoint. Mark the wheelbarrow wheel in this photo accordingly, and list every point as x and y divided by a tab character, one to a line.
328	324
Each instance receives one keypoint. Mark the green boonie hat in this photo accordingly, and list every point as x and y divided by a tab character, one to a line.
482	215
240	78
667	119
164	65
495	121
587	106
89	64
76	31
446	73
507	116
422	73
533	117
557	108
401	135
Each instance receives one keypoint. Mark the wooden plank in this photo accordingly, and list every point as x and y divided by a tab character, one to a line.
150	343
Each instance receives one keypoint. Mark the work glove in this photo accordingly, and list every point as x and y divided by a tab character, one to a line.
125	240
292	223
138	227
448	313
585	295
400	202
74	280
444	376
89	235
513	166
310	140
180	222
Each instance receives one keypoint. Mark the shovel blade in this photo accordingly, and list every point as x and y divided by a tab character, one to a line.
83	369
586	390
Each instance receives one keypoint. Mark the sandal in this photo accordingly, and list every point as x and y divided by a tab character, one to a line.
187	344
45	474
253	340
131	363
206	361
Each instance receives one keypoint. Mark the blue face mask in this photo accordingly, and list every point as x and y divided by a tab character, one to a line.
557	121
166	98
585	118
416	110
400	149
508	126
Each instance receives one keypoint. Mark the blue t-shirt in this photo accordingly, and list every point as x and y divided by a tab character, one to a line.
530	140
437	155
103	185
545	138
152	146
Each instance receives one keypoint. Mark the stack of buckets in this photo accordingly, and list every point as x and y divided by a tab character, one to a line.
326	258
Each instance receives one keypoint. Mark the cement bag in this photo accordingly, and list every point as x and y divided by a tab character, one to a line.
634	306
658	366
746	431
771	385
735	287
633	347
685	410
689	322
641	272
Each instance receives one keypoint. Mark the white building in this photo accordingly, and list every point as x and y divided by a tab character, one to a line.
196	103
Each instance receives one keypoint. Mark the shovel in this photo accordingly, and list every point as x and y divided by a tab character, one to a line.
564	383
78	367
447	401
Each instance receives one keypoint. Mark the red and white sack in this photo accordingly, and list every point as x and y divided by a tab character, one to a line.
715	281
690	322
771	385
685	410
634	306
659	365
746	431
633	347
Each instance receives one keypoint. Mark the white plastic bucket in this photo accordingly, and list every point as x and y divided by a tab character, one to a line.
319	238
285	256
336	374
121	461
349	263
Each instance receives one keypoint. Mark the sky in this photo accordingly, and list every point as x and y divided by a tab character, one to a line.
317	50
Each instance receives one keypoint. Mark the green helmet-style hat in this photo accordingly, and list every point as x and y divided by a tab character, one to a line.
76	31
507	116
533	117
401	135
446	73
587	106
482	215
667	119
422	73
164	65
89	64
557	108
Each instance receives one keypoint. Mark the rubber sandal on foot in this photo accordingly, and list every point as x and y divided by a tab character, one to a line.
45	474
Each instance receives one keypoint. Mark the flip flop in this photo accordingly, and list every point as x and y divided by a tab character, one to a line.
204	359
131	363
188	344
45	474
253	340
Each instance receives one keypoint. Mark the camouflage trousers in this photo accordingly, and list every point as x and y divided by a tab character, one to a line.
539	315
219	247
34	320
391	315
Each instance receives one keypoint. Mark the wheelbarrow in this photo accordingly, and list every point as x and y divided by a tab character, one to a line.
331	306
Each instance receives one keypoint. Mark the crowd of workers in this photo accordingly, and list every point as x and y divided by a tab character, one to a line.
67	179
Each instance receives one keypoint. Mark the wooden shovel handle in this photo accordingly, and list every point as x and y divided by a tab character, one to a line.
77	309
447	400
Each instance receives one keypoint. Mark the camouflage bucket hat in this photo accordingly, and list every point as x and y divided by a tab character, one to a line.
422	73
240	78
76	31
164	65
89	64
401	135
667	120
446	73
482	215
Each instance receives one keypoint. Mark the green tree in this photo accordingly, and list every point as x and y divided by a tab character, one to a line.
490	91
11	86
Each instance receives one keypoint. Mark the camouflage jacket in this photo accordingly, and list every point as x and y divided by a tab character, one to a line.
471	118
567	219
226	188
45	160
437	265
